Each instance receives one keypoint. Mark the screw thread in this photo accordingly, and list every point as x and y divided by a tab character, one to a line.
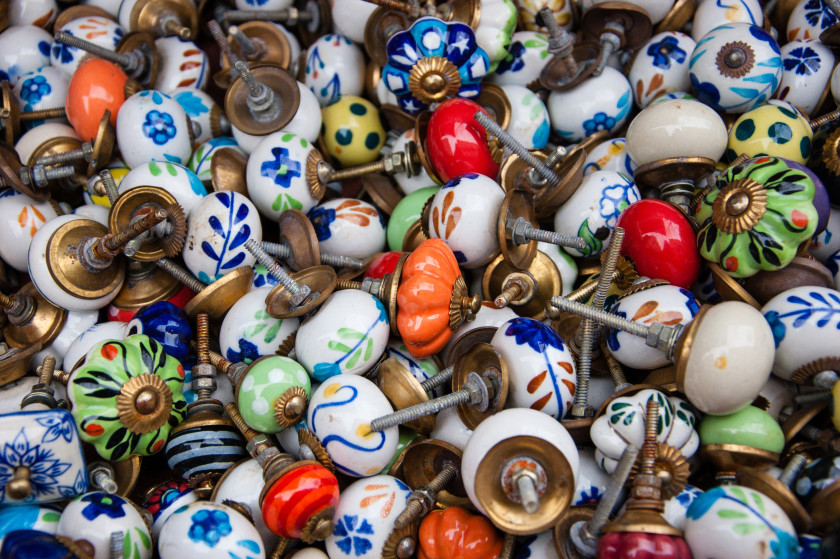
813	397
109	185
284	15
134	230
116	548
417	411
234	415
357	171
69	156
14	305
180	274
821	121
555	157
616	370
221	40
271	265
608	269
592	529
413	510
510	142
45	375
417	505
41	114
560	239
340	261
650	444
513	291
560	42
255	89
220	362
249	49
348	284
609	44
57	173
794	467
122	60
442	377
601	316
280	250
203	339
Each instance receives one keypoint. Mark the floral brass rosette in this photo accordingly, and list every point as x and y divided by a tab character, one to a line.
127	397
756	216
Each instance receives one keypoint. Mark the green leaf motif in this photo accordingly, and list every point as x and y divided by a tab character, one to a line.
271	333
354	358
759	502
350	334
728	513
368	349
739	494
593	244
338	346
285	202
254	329
744	528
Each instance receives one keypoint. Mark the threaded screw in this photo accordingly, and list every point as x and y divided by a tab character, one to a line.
442	377
101	475
169	25
551	161
610	40
71	156
221	40
298	293
39	176
522	232
616	370
560	42
128	61
813	397
422	500
13	305
180	274
255	88
794	467
109	185
283	250
204	373
513	290
42	114
114	243
821	121
510	142
288	16
116	548
650	444
249	49
233	413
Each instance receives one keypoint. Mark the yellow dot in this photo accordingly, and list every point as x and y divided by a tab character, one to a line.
720	362
331	389
363	430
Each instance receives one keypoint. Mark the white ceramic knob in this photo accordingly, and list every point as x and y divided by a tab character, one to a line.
449	428
20	219
179	181
661	66
183	64
201	109
349	18
334	67
248	332
349	227
243	483
23	49
34	138
598	103
806	69
713	14
45	88
529	123
85	341
95	516
76	323
100	31
152	126
211	531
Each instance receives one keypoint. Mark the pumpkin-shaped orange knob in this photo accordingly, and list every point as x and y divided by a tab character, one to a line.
456	533
431	298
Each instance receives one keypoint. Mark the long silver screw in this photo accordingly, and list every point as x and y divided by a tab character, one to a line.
560	42
794	467
249	49
129	62
39	175
262	102
510	142
522	231
180	274
610	42
443	376
299	293
221	39
813	397
283	250
422	499
551	161
109	185
71	156
289	16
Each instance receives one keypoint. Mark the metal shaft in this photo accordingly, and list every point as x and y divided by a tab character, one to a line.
560	42
13	305
119	240
109	185
616	370
418	502
41	114
249	49
357	171
283	250
431	407
180	274
512	292
610	42
287	15
522	231
236	417
126	61
794	467
273	268
813	397
404	7
221	40
255	88
607	319
69	156
47	368
443	376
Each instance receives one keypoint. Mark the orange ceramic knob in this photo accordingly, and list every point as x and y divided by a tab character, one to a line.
96	86
296	497
424	296
456	533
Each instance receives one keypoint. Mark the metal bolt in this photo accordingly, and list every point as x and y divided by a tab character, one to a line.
12	304
299	293
169	24
262	102
71	156
526	486
513	289
116	548
41	392
39	175
109	186
204	373
101	475
41	114
249	48
522	232
826	379
616	370
551	161
814	397
180	274
443	376
115	242
221	40
610	42
130	62
283	250
422	499
510	142
794	467
287	16
560	42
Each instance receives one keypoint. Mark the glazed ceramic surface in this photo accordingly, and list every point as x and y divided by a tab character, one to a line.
807	70
661	66
676	507
202	110
450	428
202	157
416	182
529	123
216	234
776	129
809	19
421	369
100	332
405	214
29	517
32	12
179	181
165	499
351	131
306	122
828	242
526	56
20	219
166	324
23	48
96	86
44	88
243	483
210	530
183	64
721	12
456	144
495	28
350	16
248	332
31	140
349	227
610	155
75	324
98	30
592	481
334	67
151	126
749	426
266	380
340	413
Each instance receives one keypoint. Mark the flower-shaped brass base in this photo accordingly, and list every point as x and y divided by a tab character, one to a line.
671	467
739	206
290	407
735	59
144	403
308	440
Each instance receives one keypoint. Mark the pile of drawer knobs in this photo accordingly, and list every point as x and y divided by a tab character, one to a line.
445	279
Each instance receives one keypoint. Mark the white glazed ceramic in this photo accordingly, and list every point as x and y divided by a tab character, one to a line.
23	49
201	109
309	553
365	515
152	126
29	517
599	103
20	219
216	234
306	122
808	19
511	423
248	332
529	123
828	242
211	531
421	369
95	212
32	12
339	414
487	315
464	213
610	155
349	18
349	227
98	30
334	67
806	70
596	204
677	507
243	483
83	343
806	327
663	304
276	174
565	265
165	499
416	182
730	359
450	429
76	323
12	393
833	264
661	66
45	88
31	140
179	181
677	128
347	335
712	14
262	4
183	64
95	516
592	480
541	366
527	56
202	158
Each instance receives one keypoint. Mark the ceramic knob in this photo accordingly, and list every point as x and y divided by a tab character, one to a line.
215	531
306	122
22	217
804	322
95	516
352	132
33	139
141	382
216	233
75	324
179	181
24	48
529	123
339	414
405	214
828	242
45	88
415	182
165	499
420	368
203	447
40	518
730	359
28	12
349	18
334	67
677	507
464	213
716	525
661	66
623	423
202	158
592	480
808	20
457	532
777	129
264	383
610	155
167	325
97	333
456	144
807	69
726	13
349	227
565	264
248	332
98	30
591	212
183	64
151	126
736	67
449	428
202	110
599	103
833	264
22	544
526	56
750	426
541	367
243	483
676	129
96	86
307	482
663	304
365	516
276	174
347	335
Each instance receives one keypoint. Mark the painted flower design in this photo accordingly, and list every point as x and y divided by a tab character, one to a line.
665	51
159	127
591	497
321	219
44	466
192	104
102	503
209	526
282	169
63	53
803	60
707	92
537	335
513	61
601	121
352	534
34	89
247	352
58	426
817	13
614	200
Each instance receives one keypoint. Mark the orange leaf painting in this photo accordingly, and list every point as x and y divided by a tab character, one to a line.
655	82
646	309
536	382
668	318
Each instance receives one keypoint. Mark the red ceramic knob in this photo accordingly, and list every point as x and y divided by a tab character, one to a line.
383	264
180	300
296	497
661	242
96	85
639	545
456	144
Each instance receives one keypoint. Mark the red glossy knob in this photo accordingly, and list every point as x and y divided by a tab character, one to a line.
660	240
298	496
456	144
96	85
383	264
639	545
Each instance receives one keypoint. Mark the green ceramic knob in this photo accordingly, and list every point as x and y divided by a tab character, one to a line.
756	216
750	426
126	397
406	212
273	393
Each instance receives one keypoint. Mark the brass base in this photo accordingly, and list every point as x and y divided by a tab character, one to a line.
66	268
281	82
728	287
146	198
562	541
636	21
454	350
297	231
227	171
542	269
825	507
732	457
146	14
217	298
484	360
320	279
801	271
15	363
136	293
517	203
275	45
45	325
403	390
652	175
103	143
10	164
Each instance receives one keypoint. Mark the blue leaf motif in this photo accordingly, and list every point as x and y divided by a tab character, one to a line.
241	237
216	225
703	503
241	213
224	198
235	261
208	250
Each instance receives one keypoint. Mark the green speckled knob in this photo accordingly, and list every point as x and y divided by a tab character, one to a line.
756	216
126	397
273	394
750	426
